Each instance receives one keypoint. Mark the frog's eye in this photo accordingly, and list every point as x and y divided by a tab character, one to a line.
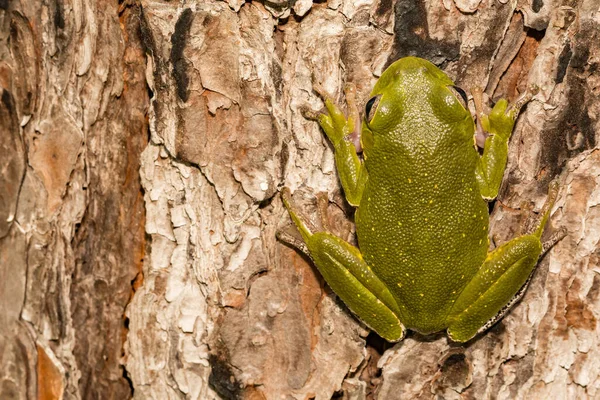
371	107
460	95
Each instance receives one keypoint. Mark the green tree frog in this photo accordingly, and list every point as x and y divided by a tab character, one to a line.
420	194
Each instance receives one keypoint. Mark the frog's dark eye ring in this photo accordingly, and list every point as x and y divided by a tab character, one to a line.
371	107
460	95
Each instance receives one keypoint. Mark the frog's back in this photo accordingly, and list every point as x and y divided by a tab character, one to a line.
422	224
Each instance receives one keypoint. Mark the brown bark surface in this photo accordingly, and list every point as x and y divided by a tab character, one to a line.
73	120
144	147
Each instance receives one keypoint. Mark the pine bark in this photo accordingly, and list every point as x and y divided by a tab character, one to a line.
144	148
73	120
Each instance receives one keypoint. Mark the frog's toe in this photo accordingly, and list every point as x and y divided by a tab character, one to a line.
515	107
304	225
498	113
287	236
556	237
322	92
309	113
500	121
480	137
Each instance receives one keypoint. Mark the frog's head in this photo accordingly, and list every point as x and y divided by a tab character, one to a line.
413	91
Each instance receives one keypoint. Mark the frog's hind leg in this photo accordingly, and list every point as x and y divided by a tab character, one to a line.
345	271
501	281
547	245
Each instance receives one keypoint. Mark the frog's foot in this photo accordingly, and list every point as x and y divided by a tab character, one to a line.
515	108
344	269
309	113
304	225
341	132
334	122
498	125
528	223
322	205
544	214
286	236
289	236
546	209
556	237
322	92
503	116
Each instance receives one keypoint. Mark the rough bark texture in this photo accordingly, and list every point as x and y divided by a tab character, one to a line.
73	120
224	310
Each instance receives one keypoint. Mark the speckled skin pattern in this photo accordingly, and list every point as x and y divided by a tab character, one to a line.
421	222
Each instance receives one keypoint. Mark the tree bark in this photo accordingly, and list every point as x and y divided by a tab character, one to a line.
221	308
73	120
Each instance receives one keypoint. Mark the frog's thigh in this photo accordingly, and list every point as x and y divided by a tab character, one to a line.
500	278
352	280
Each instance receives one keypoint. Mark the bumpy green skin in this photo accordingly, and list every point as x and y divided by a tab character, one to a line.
421	221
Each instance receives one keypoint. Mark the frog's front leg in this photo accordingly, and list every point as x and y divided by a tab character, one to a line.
345	271
342	132
500	282
499	125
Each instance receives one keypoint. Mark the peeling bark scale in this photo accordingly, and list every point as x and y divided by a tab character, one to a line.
144	146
